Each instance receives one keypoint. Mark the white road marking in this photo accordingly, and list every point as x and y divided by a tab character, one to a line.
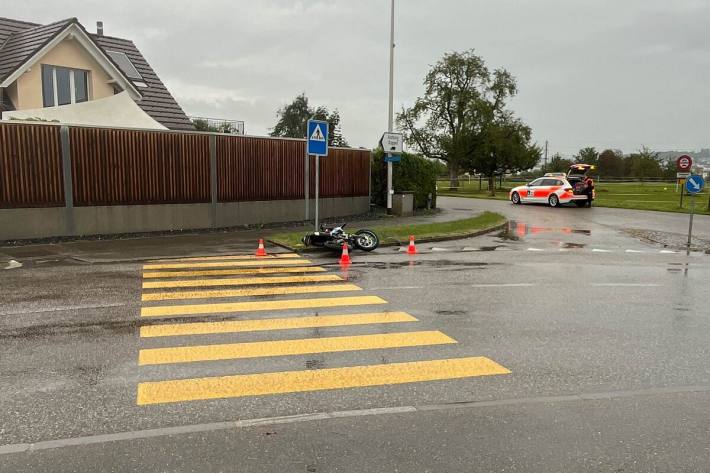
667	252
599	250
624	285
12	264
535	249
634	251
504	285
392	288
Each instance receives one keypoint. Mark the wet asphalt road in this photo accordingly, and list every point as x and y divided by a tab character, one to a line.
605	336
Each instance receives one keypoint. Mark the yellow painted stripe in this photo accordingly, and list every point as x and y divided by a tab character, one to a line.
233	351
186	310
232	272
260	291
225	264
315	380
226	257
286	323
240	281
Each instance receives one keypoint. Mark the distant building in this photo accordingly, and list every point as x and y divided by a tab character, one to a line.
60	72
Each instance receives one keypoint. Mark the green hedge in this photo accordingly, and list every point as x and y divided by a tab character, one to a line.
412	174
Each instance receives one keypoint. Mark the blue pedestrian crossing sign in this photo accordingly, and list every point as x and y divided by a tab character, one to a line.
318	137
694	184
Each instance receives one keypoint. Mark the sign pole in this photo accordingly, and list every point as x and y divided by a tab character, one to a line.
317	188
694	185
682	191
317	145
690	226
390	118
307	183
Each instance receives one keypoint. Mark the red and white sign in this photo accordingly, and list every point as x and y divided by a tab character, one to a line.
684	163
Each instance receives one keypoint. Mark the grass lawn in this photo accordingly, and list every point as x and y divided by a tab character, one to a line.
397	234
625	195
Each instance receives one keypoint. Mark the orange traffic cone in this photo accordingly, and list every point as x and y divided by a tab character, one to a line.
345	257
411	250
261	251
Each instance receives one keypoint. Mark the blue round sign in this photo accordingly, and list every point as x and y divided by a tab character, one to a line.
694	184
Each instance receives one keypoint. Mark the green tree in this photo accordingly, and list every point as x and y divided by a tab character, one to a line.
293	119
506	148
558	164
587	155
644	164
610	163
462	116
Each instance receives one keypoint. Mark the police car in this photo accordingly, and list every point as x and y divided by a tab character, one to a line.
556	189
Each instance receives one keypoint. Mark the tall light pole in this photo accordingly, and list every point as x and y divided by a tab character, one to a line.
390	117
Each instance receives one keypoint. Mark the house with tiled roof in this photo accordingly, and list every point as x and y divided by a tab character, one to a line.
61	72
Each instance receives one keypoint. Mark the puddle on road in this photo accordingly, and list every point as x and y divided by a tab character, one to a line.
573	245
515	231
451	312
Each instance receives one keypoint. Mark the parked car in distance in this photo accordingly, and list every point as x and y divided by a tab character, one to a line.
556	189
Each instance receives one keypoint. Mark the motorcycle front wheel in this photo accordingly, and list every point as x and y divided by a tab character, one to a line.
366	240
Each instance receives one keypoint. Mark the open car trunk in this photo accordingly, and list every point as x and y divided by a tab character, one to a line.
577	176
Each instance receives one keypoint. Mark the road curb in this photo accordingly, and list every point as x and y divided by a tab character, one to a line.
458	236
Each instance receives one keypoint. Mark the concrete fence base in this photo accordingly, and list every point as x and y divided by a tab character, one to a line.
30	223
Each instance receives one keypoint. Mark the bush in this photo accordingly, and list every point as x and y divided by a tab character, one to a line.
412	174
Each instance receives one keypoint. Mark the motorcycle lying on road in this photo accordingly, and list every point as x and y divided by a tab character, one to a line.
333	236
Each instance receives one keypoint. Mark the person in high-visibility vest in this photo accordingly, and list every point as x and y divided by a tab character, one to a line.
589	190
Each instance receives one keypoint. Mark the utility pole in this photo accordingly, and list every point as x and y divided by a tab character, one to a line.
390	118
544	166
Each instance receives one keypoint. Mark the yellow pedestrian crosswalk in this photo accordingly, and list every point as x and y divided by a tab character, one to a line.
240	281
315	380
258	306
269	291
275	293
286	323
232	272
227	258
222	264
304	346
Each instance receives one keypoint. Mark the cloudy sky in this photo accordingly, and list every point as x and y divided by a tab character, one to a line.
604	73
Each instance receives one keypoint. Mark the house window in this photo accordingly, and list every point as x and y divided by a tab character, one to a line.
62	85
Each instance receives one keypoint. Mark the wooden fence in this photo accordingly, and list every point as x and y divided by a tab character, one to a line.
30	166
137	167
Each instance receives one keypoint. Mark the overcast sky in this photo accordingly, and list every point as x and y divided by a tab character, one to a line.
604	73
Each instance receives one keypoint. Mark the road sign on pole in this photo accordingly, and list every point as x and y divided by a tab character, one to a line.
684	163
318	138
392	144
694	184
317	145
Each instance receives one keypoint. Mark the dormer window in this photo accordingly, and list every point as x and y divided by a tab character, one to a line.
63	86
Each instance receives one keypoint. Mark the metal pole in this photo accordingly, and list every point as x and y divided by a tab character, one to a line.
307	183
682	191
690	226
317	187
390	117
544	166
